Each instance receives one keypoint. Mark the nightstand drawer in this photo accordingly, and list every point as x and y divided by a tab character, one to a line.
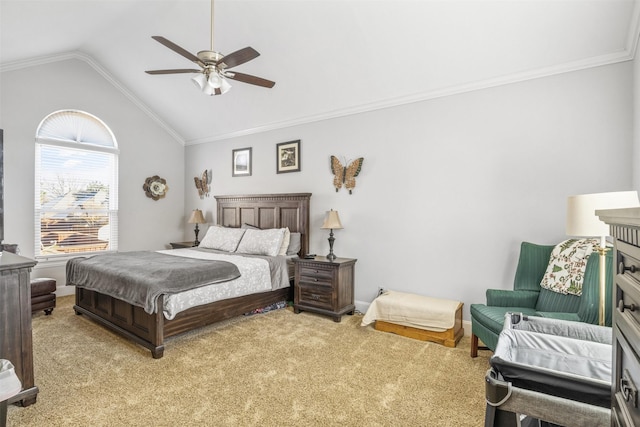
316	296
316	272
313	281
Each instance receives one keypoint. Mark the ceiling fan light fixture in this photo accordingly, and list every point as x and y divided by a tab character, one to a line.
210	90
224	86
215	80
199	80
219	82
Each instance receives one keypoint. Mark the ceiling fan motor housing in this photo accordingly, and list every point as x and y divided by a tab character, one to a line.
209	57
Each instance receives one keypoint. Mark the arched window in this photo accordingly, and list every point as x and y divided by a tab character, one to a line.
76	185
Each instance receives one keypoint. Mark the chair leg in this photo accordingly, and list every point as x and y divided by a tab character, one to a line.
474	345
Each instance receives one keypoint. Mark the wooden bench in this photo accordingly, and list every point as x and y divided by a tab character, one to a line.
409	315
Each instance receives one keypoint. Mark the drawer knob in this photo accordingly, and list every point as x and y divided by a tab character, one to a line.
628	389
622	306
622	268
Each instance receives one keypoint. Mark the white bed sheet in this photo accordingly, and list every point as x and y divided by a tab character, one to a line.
254	277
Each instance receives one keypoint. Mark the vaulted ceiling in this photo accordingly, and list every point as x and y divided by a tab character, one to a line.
328	58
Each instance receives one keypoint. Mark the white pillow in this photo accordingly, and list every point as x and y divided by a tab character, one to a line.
285	242
222	238
261	242
294	244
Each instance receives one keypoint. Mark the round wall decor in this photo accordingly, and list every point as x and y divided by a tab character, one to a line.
155	187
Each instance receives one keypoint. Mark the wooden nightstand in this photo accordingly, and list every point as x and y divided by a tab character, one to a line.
324	286
180	245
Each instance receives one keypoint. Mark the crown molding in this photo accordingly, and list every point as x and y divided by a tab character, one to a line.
584	64
622	56
43	60
634	30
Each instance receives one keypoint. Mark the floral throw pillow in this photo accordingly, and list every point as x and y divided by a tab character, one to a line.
567	264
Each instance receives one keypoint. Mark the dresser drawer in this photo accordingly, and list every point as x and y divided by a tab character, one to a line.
316	296
626	402
627	299
629	261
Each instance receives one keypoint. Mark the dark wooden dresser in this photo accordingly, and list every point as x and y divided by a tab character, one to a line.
625	228
15	322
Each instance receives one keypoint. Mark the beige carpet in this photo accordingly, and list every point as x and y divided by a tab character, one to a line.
273	369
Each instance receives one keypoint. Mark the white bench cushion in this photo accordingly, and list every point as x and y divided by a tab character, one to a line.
412	310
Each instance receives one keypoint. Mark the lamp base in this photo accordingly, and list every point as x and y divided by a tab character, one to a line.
331	255
602	292
197	231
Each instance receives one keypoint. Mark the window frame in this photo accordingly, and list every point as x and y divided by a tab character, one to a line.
83	146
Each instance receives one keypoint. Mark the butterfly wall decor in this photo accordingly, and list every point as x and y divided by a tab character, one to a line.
202	184
345	174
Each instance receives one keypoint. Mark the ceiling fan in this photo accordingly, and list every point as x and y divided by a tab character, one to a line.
214	66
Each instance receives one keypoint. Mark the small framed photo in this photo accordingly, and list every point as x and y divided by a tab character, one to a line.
288	157
241	162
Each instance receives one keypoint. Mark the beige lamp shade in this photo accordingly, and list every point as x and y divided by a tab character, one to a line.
581	215
332	221
196	217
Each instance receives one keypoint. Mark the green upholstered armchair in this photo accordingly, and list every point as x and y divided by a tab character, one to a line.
529	298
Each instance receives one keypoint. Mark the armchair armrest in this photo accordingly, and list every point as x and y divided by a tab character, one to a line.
511	298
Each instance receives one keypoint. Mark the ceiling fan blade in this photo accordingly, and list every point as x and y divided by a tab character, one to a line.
179	71
177	49
238	57
247	78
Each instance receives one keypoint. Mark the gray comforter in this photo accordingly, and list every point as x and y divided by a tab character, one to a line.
140	277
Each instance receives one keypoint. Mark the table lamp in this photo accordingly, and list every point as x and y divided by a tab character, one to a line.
582	221
331	222
196	218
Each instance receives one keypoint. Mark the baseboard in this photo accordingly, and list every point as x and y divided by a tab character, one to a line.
62	291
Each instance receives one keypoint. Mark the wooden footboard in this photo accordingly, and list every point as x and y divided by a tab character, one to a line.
150	330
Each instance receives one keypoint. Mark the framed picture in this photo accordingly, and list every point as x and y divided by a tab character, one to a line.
288	157
241	162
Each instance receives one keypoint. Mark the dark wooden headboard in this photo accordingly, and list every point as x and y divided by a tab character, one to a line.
267	211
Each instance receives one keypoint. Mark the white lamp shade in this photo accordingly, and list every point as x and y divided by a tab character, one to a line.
215	80
332	221
224	86
196	217
213	85
199	80
581	216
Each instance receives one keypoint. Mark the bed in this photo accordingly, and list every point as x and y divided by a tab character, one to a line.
268	211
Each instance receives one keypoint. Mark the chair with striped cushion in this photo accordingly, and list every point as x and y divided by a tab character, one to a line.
529	298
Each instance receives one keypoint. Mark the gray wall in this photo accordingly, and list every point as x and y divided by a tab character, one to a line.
449	186
28	95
